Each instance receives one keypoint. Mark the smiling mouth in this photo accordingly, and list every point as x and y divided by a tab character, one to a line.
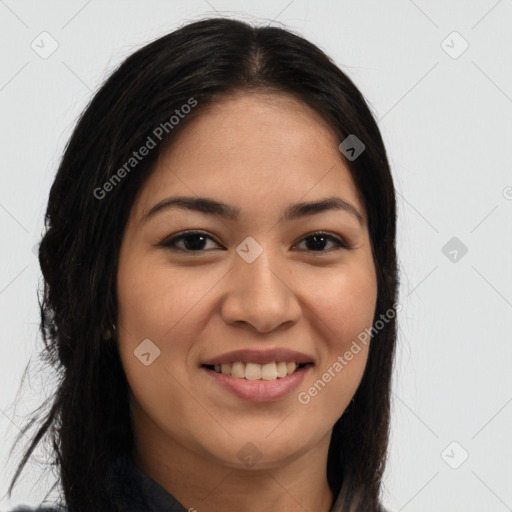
255	371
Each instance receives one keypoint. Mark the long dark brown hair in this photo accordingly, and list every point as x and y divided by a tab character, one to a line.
87	421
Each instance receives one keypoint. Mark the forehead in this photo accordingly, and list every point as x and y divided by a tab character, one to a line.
253	149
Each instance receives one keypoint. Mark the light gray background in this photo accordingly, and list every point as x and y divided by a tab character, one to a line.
447	125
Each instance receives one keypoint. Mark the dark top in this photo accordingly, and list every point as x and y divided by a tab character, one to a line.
137	492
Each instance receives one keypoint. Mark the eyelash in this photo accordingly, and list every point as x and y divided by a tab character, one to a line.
170	243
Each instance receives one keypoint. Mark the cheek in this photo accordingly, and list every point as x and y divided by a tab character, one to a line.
169	308
345	305
156	301
343	309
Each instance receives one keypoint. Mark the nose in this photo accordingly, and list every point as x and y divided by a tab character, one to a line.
261	295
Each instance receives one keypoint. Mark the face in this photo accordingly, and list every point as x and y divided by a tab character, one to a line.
245	288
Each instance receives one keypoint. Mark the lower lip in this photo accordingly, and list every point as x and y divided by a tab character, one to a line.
260	390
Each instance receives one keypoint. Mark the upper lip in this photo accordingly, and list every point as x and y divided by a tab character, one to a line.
260	356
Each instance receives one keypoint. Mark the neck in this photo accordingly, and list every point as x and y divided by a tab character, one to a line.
203	485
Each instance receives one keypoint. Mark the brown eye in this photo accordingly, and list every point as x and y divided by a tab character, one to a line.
191	241
316	242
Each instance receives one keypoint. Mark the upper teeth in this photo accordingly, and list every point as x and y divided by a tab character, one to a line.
254	371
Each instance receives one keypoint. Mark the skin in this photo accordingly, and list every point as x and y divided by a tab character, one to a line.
260	153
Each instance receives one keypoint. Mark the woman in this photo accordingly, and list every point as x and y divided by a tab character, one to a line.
220	283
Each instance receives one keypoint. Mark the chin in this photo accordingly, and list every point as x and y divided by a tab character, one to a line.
259	451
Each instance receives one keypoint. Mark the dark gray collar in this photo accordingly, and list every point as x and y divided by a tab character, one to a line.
138	492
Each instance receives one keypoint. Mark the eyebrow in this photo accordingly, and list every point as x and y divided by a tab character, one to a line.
213	207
